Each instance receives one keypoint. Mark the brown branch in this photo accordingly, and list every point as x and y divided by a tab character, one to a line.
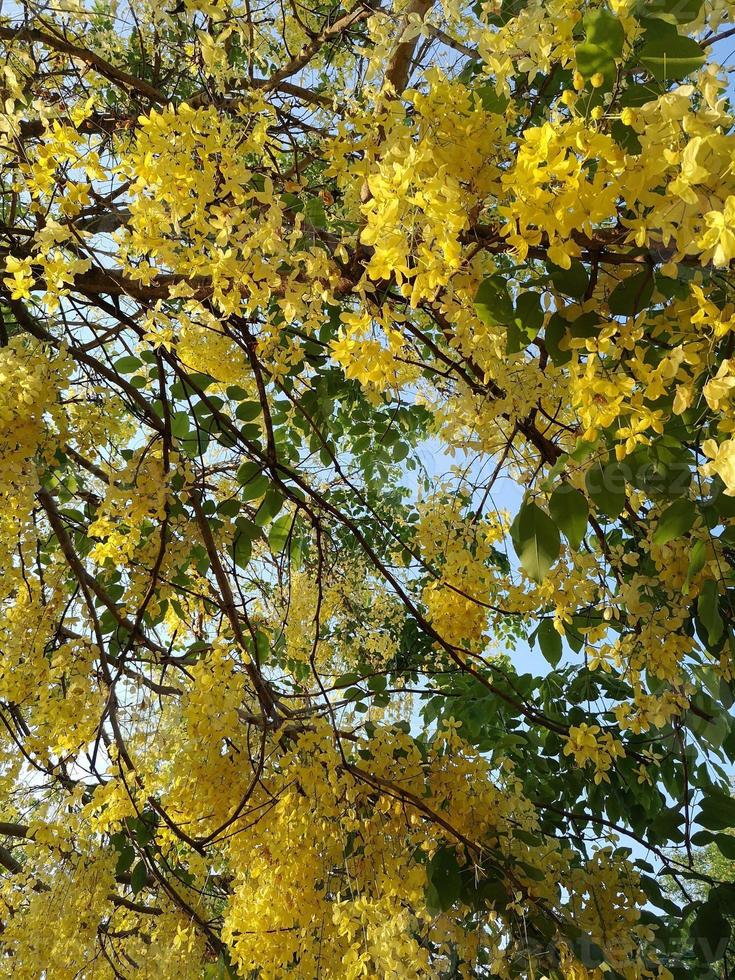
83	576
396	75
113	74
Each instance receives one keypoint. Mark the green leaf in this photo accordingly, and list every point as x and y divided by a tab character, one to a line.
717	812
723	895
708	610
400	452
583	449
674	11
254	483
314	212
527	319
632	294
704	837
554	333
711	932
180	425
126	856
570	512
493	305
672	58
593	59
242	545
491	101
723	506
725	843
271	504
221	970
550	642
626	137
195	444
536	541
676	520
248	471
586	325
529	314
697	559
552	477
588	952
353	694
573	281
229	508
636	96
606	487
279	532
236	393
345	680
445	880
604	30
247	411
489	892
138	877
128	364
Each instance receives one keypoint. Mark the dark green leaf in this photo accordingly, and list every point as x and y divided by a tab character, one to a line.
676	520
717	812
254	483
606	487
536	541
491	101
604	30
180	425
626	137
550	642
128	364
493	305
269	507
593	59
556	330
636	96
573	281
314	212
632	294
527	319
711	932
674	11
445	879
586	325
697	558
138	877
242	545
726	845
708	610
279	532
126	856
672	58
570	512
248	471
247	411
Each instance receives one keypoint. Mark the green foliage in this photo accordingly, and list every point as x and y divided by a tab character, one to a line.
536	541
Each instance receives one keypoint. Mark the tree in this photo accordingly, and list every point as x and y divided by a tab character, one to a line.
268	707
714	866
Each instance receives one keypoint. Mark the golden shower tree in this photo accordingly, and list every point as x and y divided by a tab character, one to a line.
367	468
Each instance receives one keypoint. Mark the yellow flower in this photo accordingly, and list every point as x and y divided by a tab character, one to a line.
723	462
20	280
718	242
